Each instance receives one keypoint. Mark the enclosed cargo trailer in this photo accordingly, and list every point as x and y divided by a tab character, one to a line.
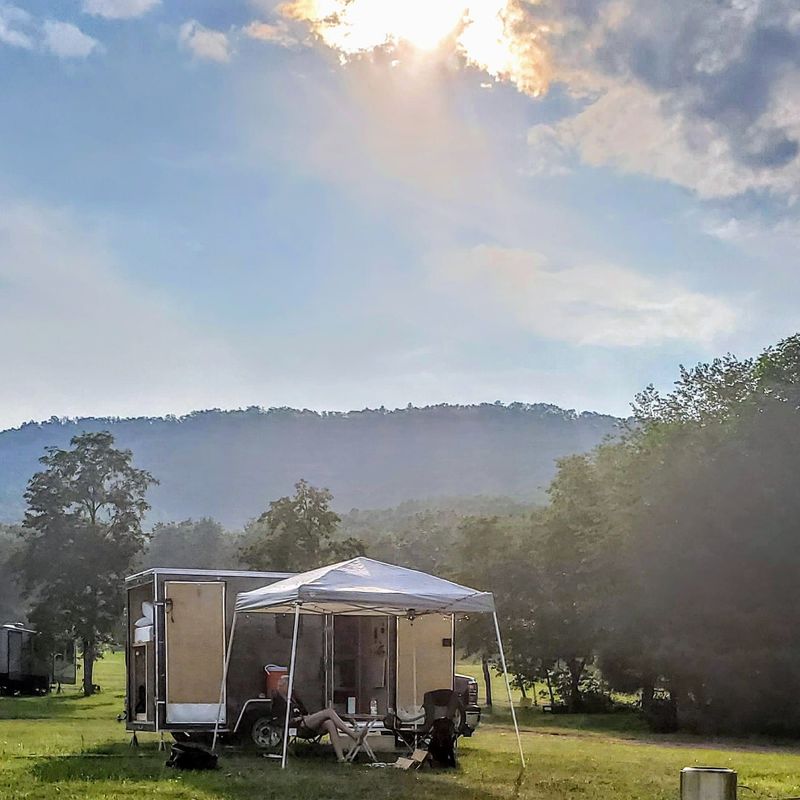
178	624
24	668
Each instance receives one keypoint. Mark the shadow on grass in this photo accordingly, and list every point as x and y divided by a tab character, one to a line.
60	705
627	722
312	774
105	763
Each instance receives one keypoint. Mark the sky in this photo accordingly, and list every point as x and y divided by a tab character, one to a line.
335	204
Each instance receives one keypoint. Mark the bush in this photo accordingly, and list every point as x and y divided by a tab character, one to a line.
661	715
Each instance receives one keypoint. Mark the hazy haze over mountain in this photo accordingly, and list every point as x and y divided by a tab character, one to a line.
229	464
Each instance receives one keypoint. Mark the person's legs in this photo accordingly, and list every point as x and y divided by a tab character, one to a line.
330	729
315	722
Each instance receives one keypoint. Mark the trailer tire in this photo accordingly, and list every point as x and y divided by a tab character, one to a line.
266	733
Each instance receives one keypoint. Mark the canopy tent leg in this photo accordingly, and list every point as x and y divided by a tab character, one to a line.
414	671
223	683
291	686
508	687
414	665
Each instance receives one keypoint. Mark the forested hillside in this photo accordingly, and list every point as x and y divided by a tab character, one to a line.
228	464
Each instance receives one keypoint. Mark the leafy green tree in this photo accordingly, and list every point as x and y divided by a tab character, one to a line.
717	549
570	587
298	533
476	555
82	533
199	544
12	606
702	394
493	554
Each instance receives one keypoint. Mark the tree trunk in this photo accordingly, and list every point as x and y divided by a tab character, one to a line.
575	666
487	677
550	688
648	692
88	667
521	684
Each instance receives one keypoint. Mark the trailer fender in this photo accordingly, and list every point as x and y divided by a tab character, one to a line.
255	707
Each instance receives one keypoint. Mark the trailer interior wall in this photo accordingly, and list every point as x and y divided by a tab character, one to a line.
140	653
362	668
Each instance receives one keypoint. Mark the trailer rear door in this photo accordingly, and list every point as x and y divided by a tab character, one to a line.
195	650
426	643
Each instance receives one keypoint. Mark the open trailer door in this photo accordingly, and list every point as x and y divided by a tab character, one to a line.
195	650
425	658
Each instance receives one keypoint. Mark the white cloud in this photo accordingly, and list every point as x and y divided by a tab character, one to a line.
597	304
204	42
700	93
119	9
66	40
80	338
13	24
633	130
277	33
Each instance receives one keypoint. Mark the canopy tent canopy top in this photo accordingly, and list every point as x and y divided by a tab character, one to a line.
365	586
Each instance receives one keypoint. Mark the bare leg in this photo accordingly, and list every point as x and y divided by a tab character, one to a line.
315	722
330	728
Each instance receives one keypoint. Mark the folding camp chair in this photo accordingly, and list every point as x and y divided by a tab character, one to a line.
437	704
302	734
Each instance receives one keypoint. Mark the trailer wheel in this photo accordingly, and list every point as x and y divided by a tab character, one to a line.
266	733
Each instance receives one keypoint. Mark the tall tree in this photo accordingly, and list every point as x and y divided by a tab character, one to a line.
83	530
494	554
298	533
569	597
200	544
12	607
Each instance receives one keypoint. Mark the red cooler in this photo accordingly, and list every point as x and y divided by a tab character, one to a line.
274	674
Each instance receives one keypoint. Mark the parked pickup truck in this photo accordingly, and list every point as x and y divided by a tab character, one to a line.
467	688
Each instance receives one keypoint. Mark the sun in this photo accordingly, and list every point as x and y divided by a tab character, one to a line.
357	26
483	32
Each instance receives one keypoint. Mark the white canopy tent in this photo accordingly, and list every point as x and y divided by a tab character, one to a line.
362	586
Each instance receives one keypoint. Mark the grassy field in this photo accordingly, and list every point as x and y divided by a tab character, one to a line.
65	746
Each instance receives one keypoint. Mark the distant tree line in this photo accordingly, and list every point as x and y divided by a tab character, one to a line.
664	565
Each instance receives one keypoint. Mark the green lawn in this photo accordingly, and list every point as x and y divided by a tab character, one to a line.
68	747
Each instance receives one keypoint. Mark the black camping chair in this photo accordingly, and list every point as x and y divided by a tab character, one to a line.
438	705
297	733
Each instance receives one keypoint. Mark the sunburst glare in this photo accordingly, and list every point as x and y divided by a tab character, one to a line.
482	32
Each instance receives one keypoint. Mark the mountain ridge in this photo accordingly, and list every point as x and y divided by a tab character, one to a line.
229	464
